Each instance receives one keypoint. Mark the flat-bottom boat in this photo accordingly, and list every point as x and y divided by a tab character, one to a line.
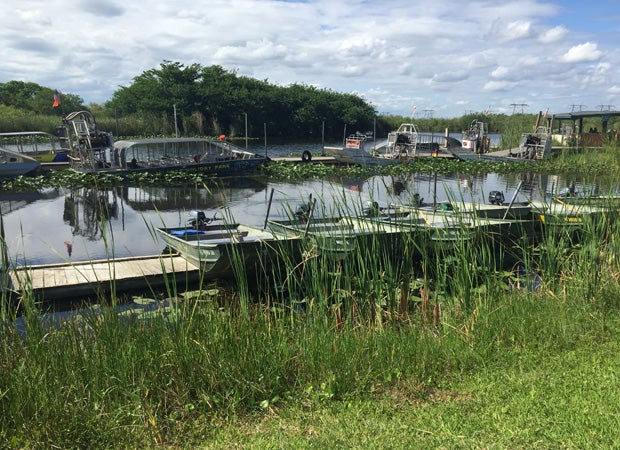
14	163
229	250
339	237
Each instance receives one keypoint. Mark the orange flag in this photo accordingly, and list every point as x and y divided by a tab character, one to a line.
56	103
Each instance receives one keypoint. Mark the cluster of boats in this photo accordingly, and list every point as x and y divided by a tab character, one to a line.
406	143
88	149
223	249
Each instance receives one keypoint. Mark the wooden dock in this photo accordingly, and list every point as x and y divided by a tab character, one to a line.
92	278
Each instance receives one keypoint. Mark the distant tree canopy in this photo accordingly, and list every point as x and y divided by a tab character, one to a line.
37	99
212	100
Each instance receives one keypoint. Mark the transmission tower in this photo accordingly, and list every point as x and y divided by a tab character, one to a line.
518	105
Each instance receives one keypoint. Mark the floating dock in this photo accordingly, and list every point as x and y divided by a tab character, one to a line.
92	278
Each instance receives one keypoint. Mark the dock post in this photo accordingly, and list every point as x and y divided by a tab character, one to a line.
268	208
512	200
5	280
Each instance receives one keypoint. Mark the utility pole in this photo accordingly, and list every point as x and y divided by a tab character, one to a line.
246	130
516	105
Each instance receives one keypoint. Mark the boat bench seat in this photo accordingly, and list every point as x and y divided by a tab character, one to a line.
210	236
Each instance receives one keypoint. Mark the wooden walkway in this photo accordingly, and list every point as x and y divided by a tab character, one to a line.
91	278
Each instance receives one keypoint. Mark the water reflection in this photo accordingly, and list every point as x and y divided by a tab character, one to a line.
85	224
86	210
12	201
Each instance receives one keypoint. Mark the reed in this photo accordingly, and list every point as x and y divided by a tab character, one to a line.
391	314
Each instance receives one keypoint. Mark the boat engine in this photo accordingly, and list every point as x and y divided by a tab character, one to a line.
198	218
371	209
303	211
496	197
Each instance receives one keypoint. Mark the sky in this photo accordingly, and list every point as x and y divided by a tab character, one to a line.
441	58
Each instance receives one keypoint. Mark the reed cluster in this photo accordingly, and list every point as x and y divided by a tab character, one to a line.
389	316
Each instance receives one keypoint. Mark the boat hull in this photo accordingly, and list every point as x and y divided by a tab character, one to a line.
230	251
218	167
339	238
15	164
16	169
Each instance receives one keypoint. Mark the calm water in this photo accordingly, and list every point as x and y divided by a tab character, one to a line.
74	225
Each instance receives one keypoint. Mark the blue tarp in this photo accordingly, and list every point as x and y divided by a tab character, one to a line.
185	232
61	157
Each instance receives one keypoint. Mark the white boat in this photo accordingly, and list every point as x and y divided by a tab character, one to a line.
476	138
496	208
336	237
402	145
91	150
476	145
195	154
357	150
227	250
534	146
35	144
14	163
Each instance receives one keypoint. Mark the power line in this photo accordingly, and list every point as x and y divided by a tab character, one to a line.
572	107
516	105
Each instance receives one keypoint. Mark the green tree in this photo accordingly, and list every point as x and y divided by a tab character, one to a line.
37	99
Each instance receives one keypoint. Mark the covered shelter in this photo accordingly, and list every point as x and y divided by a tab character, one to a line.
569	126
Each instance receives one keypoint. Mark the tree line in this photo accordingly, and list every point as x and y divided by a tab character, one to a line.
208	101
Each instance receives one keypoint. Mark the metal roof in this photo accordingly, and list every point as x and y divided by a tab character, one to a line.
576	115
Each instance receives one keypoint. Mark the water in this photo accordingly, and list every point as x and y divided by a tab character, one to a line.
63	225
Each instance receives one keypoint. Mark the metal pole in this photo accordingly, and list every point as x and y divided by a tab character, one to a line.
4	272
513	199
265	133
246	130
268	208
176	128
310	212
374	133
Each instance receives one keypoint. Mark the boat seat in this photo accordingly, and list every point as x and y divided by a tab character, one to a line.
221	235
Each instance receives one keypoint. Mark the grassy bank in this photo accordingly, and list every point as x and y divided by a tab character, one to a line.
534	370
373	352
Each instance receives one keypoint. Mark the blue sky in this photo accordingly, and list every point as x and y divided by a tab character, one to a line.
445	57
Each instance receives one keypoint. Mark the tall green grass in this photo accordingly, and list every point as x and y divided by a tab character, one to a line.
379	319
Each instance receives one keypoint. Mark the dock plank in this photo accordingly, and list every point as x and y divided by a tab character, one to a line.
64	280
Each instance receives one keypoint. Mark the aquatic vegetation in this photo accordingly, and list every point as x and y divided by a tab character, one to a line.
584	164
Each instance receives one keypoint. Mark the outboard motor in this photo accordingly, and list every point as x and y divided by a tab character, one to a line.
303	212
417	200
197	218
370	209
496	197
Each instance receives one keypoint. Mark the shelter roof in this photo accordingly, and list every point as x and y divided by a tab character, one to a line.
576	115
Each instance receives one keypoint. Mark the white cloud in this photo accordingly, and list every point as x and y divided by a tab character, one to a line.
502	32
582	53
437	55
552	35
499	86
